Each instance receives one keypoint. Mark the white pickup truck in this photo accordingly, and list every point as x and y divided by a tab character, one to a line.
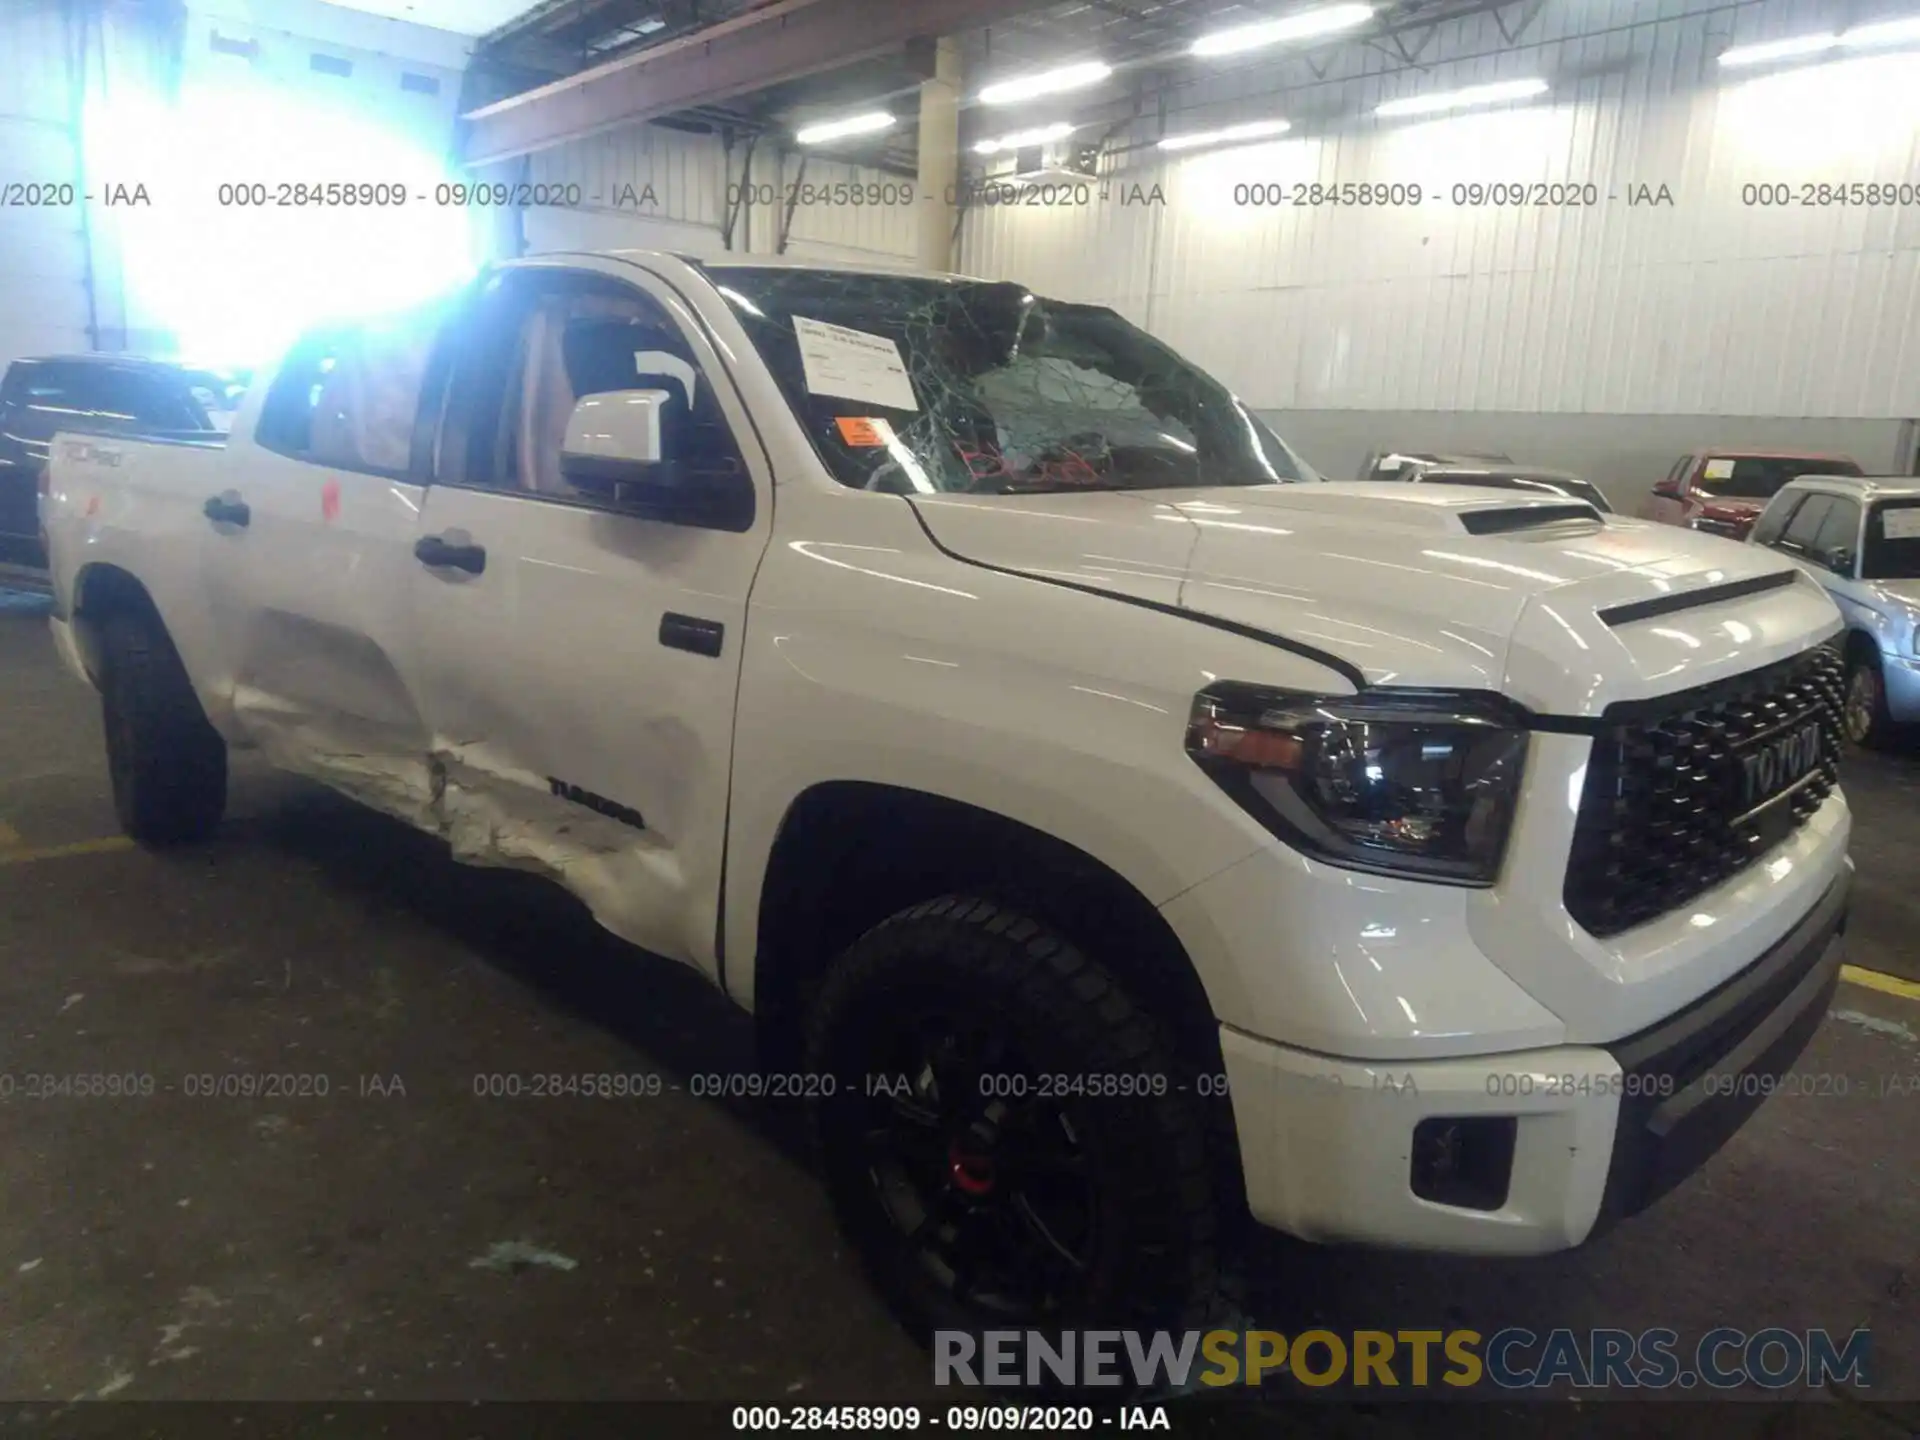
1113	840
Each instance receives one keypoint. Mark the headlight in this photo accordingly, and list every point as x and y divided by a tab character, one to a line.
1415	783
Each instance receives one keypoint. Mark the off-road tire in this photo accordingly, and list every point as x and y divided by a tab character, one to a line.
167	763
1152	1260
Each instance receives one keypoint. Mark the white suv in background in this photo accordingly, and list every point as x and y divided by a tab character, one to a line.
1112	838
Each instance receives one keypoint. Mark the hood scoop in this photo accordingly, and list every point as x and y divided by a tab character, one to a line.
1516	519
1617	615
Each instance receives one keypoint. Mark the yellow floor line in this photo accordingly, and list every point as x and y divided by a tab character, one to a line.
61	852
1885	984
9	837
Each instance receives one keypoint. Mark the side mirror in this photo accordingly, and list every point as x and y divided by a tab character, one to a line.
1670	487
613	439
1840	561
614	450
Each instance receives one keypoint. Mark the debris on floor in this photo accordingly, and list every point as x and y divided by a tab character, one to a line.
512	1256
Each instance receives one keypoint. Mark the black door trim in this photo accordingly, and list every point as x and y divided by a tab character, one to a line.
690	632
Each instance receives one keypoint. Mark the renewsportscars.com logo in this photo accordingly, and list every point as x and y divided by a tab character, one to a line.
1509	1359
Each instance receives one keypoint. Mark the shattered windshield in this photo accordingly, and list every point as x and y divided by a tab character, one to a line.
913	384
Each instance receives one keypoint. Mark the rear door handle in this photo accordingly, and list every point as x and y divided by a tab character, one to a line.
437	550
228	509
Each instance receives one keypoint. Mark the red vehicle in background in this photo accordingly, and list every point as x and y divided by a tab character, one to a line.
1722	492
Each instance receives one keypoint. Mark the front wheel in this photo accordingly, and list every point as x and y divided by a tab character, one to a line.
1868	720
1008	1140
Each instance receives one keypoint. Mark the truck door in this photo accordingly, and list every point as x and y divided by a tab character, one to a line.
309	560
578	662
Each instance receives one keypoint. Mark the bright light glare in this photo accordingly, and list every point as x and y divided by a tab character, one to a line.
1304	26
1021	139
839	129
1461	99
1232	135
1047	82
1854	117
1778	50
236	282
1886	32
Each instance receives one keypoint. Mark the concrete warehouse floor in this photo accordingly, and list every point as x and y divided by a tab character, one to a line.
350	1246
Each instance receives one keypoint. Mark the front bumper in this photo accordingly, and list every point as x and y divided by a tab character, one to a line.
1597	1132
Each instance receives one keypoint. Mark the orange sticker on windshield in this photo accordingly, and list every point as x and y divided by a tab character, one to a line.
861	432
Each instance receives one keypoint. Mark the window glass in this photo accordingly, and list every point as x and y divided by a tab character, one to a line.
348	397
122	395
217	395
1839	530
1759	477
1773	520
1892	548
545	351
1806	523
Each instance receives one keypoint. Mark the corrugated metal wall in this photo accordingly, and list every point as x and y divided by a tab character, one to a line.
690	188
1707	306
43	249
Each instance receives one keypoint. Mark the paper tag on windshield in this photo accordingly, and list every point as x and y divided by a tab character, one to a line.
853	365
1902	523
1719	470
863	431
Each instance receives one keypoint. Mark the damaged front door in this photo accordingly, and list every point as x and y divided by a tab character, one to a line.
579	643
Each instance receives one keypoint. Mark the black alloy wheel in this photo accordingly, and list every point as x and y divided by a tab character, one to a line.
1009	1141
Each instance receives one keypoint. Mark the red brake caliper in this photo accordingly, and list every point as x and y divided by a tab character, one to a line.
971	1174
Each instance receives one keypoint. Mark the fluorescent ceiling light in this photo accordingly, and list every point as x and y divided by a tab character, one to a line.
1778	49
1021	139
1885	32
1304	26
1233	134
1047	82
839	129
1461	99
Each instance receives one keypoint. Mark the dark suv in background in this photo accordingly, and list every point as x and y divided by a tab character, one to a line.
117	394
1722	492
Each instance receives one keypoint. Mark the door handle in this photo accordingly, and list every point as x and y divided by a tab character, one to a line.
437	550
690	632
228	509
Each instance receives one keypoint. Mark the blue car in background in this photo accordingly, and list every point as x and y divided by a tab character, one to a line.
1859	536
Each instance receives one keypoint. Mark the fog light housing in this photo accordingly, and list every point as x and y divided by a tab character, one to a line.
1464	1161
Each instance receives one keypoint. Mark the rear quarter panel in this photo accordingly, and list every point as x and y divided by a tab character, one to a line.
135	505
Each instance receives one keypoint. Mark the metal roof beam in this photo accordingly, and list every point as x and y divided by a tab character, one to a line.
780	41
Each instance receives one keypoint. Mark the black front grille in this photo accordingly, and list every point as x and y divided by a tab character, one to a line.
1666	813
